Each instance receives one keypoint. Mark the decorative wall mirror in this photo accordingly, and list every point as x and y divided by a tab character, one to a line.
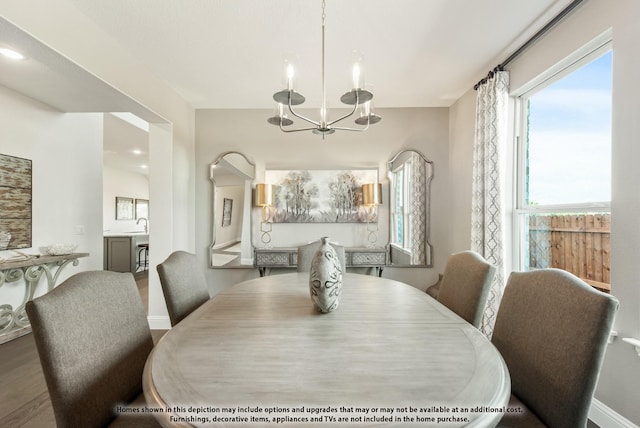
410	174
231	176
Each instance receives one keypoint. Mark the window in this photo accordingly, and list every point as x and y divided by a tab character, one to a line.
564	171
401	233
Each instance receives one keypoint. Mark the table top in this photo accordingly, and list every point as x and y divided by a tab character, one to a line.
389	355
39	260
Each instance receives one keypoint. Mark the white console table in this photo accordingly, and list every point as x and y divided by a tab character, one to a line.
14	322
268	258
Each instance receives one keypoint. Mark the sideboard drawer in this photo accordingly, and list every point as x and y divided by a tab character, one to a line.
369	258
360	257
273	258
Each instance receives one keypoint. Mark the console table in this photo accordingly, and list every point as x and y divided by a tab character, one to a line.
14	322
287	257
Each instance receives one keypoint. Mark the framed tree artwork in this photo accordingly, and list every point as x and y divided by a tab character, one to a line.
124	208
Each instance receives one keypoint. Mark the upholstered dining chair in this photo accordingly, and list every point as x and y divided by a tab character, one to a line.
183	284
433	289
93	339
465	284
552	331
306	253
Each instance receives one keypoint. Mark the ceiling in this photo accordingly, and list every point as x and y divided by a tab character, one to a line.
229	54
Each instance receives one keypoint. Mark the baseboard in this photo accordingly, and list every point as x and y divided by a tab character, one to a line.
159	323
606	417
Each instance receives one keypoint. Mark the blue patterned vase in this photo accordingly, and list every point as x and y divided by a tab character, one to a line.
325	278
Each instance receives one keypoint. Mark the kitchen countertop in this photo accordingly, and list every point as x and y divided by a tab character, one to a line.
123	234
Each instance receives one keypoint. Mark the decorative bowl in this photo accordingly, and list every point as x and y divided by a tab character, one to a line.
60	249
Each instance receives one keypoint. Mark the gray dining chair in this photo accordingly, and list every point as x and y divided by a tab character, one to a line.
306	253
93	340
183	284
433	289
552	330
465	285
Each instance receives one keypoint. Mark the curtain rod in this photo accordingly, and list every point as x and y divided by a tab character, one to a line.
500	67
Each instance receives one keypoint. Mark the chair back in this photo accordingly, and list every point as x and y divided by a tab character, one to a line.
552	330
465	285
183	284
306	253
93	339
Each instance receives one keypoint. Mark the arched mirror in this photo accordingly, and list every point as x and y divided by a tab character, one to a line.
231	176
410	174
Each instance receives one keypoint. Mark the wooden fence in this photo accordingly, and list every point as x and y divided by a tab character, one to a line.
578	243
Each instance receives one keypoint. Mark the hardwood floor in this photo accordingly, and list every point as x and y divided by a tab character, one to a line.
24	399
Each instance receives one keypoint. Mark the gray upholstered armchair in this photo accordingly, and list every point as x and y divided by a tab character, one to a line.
183	284
552	330
465	285
93	340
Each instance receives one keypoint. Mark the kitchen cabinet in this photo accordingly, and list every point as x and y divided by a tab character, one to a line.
121	252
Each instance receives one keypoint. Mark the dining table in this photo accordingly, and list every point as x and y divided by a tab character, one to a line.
259	354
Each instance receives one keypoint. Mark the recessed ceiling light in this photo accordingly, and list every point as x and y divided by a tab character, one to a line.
144	166
137	152
10	53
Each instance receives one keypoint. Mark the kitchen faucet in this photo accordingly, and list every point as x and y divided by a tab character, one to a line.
146	224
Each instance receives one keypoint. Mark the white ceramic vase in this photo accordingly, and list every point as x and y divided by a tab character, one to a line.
325	278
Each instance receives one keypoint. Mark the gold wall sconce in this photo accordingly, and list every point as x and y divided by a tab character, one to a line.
265	198
371	198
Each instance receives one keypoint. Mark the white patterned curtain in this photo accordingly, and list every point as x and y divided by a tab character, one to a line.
487	213
418	183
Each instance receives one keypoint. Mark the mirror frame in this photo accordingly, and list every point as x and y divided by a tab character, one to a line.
220	161
392	164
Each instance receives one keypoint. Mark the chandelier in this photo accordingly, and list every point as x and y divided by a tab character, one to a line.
358	97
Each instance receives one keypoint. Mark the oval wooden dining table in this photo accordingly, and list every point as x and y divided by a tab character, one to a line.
259	354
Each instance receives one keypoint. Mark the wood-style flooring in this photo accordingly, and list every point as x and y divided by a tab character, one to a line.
24	399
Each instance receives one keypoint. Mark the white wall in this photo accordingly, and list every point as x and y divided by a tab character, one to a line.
66	154
462	116
247	131
126	184
171	144
620	376
233	233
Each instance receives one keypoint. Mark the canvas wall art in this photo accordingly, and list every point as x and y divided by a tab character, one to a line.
319	196
124	208
15	201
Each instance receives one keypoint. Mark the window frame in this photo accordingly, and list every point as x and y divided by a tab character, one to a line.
396	210
521	209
